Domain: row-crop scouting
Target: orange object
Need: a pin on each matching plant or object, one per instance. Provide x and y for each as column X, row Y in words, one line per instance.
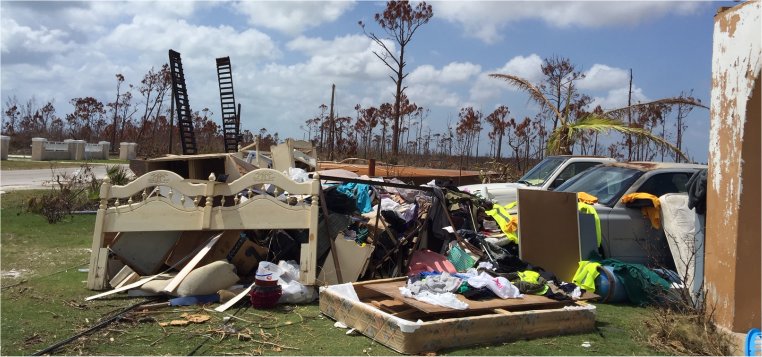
column 651, row 212
column 585, row 197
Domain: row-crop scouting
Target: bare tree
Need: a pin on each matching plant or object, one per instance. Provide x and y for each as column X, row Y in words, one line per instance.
column 400, row 22
column 497, row 120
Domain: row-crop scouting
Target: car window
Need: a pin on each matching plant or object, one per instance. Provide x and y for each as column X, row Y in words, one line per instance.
column 607, row 183
column 540, row 173
column 573, row 170
column 673, row 182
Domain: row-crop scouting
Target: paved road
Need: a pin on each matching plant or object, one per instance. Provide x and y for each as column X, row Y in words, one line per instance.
column 41, row 178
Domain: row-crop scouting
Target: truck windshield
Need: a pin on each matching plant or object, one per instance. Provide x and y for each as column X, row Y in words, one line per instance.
column 540, row 173
column 608, row 183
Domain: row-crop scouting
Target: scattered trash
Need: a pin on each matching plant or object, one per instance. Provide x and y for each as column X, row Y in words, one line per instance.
column 13, row 273
column 367, row 229
column 586, row 344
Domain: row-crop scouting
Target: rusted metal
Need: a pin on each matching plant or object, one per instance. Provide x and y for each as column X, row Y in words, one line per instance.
column 372, row 167
column 180, row 91
column 230, row 119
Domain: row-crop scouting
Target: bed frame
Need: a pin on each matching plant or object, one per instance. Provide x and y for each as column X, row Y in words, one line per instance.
column 199, row 205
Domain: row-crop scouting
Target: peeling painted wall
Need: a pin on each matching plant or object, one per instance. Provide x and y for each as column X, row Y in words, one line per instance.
column 732, row 275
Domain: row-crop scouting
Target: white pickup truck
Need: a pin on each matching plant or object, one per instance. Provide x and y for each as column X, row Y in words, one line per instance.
column 546, row 175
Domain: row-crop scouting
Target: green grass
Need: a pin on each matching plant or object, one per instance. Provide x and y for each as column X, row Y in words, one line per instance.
column 31, row 165
column 46, row 304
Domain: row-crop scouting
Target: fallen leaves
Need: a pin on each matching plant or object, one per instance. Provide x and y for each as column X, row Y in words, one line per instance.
column 196, row 318
column 188, row 319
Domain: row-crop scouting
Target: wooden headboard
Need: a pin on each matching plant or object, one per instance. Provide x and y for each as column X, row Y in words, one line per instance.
column 164, row 201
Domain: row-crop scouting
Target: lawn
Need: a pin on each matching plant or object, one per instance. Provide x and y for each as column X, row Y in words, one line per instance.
column 43, row 291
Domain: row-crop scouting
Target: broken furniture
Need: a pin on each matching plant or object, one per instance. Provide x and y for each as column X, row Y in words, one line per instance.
column 409, row 326
column 291, row 152
column 196, row 167
column 417, row 175
column 193, row 205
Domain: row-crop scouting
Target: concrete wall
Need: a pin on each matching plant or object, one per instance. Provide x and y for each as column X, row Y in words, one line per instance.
column 732, row 256
column 69, row 149
column 128, row 151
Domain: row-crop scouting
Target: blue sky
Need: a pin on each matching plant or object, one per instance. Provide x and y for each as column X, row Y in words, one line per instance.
column 285, row 55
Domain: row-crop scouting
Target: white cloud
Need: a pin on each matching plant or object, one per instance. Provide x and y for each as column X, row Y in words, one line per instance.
column 451, row 73
column 617, row 98
column 487, row 88
column 292, row 17
column 318, row 46
column 92, row 18
column 150, row 34
column 486, row 20
column 529, row 67
column 603, row 77
column 345, row 57
column 15, row 37
column 433, row 95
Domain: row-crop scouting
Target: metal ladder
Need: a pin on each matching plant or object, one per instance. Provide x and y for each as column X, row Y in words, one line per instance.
column 230, row 118
column 180, row 91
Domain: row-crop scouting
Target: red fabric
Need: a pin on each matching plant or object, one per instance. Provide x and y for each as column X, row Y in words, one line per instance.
column 426, row 260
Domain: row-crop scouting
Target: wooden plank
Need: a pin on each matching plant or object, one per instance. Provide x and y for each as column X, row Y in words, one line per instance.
column 123, row 288
column 121, row 276
column 188, row 242
column 223, row 247
column 191, row 265
column 234, row 300
column 391, row 289
column 129, row 280
column 549, row 219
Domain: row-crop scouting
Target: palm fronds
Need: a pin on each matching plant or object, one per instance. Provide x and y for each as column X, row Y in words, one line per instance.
column 599, row 123
column 533, row 91
column 665, row 101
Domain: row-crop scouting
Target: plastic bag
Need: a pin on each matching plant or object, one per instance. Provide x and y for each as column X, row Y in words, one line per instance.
column 440, row 299
column 499, row 285
column 268, row 271
column 294, row 292
column 297, row 174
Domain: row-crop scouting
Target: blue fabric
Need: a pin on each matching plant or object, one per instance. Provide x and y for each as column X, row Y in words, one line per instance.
column 360, row 192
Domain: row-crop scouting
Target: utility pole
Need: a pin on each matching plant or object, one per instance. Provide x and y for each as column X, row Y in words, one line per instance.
column 332, row 129
column 629, row 119
column 171, row 120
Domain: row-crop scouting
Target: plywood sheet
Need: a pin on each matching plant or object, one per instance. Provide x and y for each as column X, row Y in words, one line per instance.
column 144, row 252
column 549, row 231
column 188, row 242
column 391, row 289
column 353, row 259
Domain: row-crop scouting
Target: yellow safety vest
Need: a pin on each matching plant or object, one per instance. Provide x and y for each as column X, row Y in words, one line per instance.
column 533, row 277
column 586, row 274
column 507, row 223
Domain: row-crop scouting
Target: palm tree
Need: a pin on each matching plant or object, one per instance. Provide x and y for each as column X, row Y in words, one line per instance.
column 563, row 137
